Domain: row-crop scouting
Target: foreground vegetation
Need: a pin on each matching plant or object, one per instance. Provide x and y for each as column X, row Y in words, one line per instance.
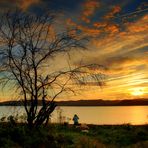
column 67, row 136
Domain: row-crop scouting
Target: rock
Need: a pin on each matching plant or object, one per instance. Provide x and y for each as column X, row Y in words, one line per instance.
column 85, row 131
column 82, row 127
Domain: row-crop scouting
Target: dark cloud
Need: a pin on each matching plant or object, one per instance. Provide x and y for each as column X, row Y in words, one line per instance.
column 13, row 4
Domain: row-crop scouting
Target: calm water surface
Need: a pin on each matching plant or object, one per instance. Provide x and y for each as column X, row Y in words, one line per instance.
column 93, row 115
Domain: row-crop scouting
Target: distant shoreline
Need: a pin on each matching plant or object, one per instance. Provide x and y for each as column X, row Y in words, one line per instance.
column 100, row 102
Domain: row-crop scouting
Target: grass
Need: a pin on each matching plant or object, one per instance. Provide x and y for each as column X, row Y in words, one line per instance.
column 68, row 136
column 120, row 135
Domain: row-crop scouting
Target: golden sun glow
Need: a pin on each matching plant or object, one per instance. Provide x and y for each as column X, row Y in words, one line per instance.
column 137, row 91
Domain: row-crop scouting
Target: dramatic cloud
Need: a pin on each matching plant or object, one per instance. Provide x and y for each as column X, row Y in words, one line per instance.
column 118, row 34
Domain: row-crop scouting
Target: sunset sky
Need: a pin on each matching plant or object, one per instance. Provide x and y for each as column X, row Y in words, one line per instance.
column 119, row 42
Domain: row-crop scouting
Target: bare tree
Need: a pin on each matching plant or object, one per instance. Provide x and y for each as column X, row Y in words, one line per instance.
column 28, row 43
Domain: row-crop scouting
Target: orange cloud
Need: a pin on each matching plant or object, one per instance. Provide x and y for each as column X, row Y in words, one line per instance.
column 100, row 24
column 115, row 10
column 89, row 8
column 96, row 28
column 89, row 31
column 139, row 26
column 112, row 28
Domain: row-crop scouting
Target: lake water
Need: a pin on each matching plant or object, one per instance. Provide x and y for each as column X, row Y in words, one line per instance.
column 93, row 115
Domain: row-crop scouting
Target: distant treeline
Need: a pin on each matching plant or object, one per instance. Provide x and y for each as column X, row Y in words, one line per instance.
column 99, row 102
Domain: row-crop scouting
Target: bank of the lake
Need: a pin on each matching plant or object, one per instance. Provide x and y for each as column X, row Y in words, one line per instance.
column 68, row 136
column 135, row 115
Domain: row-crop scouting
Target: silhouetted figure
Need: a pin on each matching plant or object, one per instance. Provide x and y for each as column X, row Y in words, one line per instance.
column 75, row 119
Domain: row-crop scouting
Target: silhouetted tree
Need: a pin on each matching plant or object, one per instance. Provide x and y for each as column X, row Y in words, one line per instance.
column 28, row 44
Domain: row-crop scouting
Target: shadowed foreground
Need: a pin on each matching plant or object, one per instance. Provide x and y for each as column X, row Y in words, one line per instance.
column 68, row 136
